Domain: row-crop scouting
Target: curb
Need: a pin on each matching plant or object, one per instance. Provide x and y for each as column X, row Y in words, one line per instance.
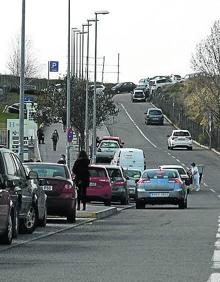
column 97, row 215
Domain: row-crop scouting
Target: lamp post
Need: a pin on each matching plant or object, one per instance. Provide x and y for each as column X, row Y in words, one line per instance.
column 87, row 88
column 68, row 141
column 77, row 55
column 94, row 96
column 21, row 99
column 73, row 57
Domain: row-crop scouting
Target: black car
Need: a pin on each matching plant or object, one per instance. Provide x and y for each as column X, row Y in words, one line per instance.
column 123, row 87
column 24, row 195
column 6, row 215
column 154, row 116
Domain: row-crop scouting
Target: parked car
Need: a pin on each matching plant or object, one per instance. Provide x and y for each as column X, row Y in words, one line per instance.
column 132, row 176
column 158, row 83
column 182, row 172
column 154, row 116
column 14, row 108
column 179, row 139
column 106, row 150
column 130, row 158
column 6, row 215
column 100, row 187
column 138, row 95
column 115, row 138
column 18, row 184
column 161, row 186
column 123, row 87
column 41, row 199
column 119, row 184
column 56, row 181
column 145, row 88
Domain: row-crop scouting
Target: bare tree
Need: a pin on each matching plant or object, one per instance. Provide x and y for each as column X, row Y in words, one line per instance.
column 206, row 62
column 31, row 62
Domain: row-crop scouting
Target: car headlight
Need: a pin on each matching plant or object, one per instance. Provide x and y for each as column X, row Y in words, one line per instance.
column 140, row 189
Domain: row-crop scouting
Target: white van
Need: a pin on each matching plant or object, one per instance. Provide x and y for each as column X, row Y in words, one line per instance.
column 129, row 158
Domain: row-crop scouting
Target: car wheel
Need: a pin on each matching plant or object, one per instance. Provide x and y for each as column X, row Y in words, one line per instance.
column 71, row 218
column 42, row 222
column 140, row 204
column 181, row 204
column 171, row 148
column 107, row 203
column 168, row 147
column 185, row 204
column 189, row 148
column 124, row 201
column 6, row 238
column 28, row 224
column 15, row 224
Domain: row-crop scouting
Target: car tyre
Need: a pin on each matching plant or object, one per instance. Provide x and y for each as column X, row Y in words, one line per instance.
column 6, row 238
column 181, row 204
column 107, row 203
column 28, row 224
column 15, row 224
column 140, row 204
column 71, row 218
column 189, row 148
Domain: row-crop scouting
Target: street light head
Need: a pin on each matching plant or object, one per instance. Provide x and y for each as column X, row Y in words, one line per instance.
column 87, row 24
column 91, row 20
column 104, row 12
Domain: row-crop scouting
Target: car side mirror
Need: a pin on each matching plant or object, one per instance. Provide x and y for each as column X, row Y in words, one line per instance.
column 136, row 180
column 42, row 182
column 32, row 175
column 2, row 182
column 168, row 136
column 127, row 177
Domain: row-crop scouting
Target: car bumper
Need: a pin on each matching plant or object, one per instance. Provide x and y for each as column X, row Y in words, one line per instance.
column 172, row 197
column 59, row 206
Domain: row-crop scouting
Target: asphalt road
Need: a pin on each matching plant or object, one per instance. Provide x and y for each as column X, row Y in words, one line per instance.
column 160, row 243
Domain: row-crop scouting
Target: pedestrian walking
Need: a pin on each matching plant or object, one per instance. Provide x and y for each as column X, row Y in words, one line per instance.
column 55, row 138
column 62, row 159
column 195, row 177
column 81, row 171
column 40, row 135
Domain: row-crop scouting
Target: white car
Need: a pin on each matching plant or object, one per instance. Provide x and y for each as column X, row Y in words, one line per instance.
column 132, row 176
column 138, row 95
column 179, row 139
column 106, row 150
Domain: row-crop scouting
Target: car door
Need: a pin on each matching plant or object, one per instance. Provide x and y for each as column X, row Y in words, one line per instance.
column 26, row 188
column 5, row 207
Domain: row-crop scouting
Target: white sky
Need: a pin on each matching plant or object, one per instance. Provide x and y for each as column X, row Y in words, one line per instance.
column 153, row 37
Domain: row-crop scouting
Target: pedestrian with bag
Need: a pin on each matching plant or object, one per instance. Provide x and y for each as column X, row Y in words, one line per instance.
column 81, row 171
column 55, row 138
column 195, row 177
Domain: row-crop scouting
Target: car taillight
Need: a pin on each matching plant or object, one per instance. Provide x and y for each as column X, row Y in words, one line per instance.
column 175, row 180
column 104, row 180
column 144, row 180
column 68, row 188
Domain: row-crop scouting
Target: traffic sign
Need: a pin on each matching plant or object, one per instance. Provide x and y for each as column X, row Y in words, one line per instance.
column 54, row 66
column 69, row 135
column 28, row 99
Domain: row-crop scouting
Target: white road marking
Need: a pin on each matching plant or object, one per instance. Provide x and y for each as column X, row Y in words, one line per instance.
column 173, row 157
column 178, row 160
column 213, row 190
column 182, row 164
column 205, row 184
column 141, row 132
column 218, row 196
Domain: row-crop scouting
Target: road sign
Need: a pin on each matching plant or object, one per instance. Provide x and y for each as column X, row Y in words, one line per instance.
column 28, row 99
column 69, row 135
column 54, row 66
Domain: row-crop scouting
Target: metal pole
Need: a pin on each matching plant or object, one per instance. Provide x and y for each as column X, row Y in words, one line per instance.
column 48, row 74
column 77, row 57
column 94, row 99
column 21, row 108
column 68, row 90
column 80, row 54
column 118, row 68
column 82, row 48
column 103, row 66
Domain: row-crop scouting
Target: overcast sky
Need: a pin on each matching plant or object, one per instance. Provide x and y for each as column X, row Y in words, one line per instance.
column 153, row 37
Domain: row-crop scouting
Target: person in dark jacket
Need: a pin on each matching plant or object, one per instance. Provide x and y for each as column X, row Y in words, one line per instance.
column 81, row 171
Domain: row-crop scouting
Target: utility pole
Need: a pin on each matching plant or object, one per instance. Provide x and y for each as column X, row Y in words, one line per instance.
column 103, row 66
column 118, row 68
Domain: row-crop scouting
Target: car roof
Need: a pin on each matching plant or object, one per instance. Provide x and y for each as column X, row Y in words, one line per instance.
column 172, row 166
column 154, row 109
column 113, row 166
column 131, row 149
column 110, row 138
column 180, row 130
column 109, row 141
column 43, row 163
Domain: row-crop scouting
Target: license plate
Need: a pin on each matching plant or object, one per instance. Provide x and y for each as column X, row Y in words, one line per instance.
column 47, row 188
column 159, row 195
column 92, row 184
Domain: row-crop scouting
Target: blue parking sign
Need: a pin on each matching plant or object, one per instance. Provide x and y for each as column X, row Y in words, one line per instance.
column 54, row 66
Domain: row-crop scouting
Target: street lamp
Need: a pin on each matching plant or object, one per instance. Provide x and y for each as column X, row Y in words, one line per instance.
column 73, row 57
column 94, row 96
column 77, row 55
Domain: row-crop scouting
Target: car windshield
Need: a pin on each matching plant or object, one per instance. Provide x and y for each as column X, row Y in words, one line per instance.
column 160, row 174
column 109, row 145
column 133, row 173
column 97, row 172
column 155, row 112
column 45, row 171
column 181, row 133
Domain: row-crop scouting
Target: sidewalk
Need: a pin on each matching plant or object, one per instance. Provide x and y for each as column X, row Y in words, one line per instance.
column 48, row 155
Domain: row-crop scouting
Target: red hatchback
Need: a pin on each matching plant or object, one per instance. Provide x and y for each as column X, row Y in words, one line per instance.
column 100, row 188
column 57, row 183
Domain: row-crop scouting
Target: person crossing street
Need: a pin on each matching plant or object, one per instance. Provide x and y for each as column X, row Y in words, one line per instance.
column 195, row 177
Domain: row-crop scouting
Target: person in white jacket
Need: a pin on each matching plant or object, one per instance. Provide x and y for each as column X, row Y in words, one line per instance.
column 195, row 177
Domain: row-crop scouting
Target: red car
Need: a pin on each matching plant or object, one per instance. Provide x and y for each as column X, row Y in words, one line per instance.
column 114, row 138
column 100, row 188
column 58, row 185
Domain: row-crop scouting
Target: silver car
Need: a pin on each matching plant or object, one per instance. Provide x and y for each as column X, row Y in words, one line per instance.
column 132, row 175
column 106, row 150
column 179, row 139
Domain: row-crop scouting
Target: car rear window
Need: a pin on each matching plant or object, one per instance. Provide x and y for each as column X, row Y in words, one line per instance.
column 181, row 133
column 160, row 174
column 155, row 112
column 45, row 171
column 115, row 173
column 97, row 172
column 133, row 173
